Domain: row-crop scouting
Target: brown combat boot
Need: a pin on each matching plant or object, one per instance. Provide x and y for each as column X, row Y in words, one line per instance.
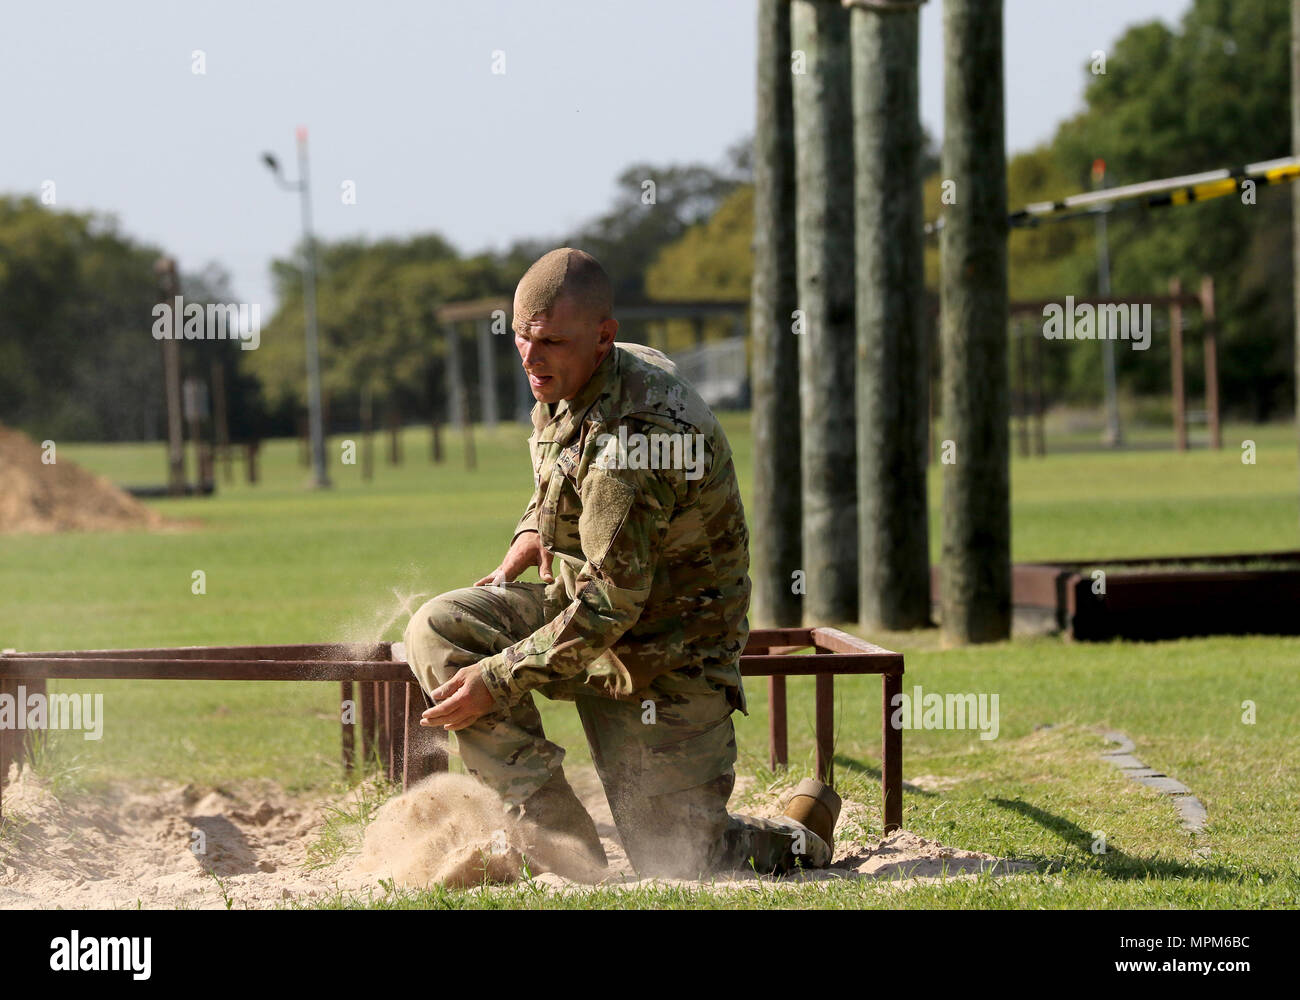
column 559, row 834
column 816, row 806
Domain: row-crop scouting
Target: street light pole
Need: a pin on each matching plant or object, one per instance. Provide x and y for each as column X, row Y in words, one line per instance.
column 320, row 477
column 1113, row 435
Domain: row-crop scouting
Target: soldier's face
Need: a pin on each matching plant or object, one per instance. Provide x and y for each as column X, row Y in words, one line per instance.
column 559, row 352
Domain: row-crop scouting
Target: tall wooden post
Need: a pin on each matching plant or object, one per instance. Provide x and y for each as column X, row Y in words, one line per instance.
column 455, row 382
column 775, row 504
column 1021, row 394
column 1209, row 326
column 394, row 432
column 168, row 289
column 1176, row 364
column 367, row 434
column 221, row 423
column 823, row 120
column 1040, row 441
column 487, row 373
column 1295, row 191
column 892, row 354
column 976, row 584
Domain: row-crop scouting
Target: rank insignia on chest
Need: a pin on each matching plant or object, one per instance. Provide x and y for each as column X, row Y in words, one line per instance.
column 567, row 462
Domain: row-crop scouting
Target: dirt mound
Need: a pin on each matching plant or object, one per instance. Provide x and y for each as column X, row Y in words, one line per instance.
column 181, row 846
column 36, row 497
column 251, row 847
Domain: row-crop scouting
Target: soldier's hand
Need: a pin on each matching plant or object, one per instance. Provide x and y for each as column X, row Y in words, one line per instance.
column 462, row 701
column 526, row 550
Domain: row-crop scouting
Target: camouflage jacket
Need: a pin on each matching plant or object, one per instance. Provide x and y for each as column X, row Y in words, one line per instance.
column 637, row 500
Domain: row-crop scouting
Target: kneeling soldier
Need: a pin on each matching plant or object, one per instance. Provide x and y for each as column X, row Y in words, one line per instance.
column 642, row 628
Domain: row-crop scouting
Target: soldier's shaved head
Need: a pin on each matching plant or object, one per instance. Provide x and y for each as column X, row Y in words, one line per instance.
column 565, row 273
column 564, row 322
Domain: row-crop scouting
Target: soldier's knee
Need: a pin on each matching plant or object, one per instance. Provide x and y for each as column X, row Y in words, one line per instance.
column 429, row 635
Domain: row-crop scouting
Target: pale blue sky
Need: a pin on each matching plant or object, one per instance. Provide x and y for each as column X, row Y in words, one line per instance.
column 400, row 98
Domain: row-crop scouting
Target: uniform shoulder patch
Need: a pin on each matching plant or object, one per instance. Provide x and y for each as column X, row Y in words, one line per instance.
column 606, row 501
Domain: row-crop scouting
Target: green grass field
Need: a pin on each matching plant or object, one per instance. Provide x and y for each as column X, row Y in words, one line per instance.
column 284, row 564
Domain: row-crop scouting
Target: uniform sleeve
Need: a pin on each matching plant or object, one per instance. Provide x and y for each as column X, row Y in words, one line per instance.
column 529, row 521
column 622, row 528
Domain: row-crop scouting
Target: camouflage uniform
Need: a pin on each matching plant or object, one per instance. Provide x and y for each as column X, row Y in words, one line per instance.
column 642, row 628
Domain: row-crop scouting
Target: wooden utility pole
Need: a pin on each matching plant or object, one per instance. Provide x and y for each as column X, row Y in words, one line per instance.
column 455, row 385
column 892, row 354
column 169, row 289
column 1210, row 344
column 435, row 437
column 976, row 583
column 1040, row 441
column 458, row 396
column 487, row 373
column 1021, row 394
column 367, row 434
column 823, row 121
column 1176, row 364
column 221, row 424
column 436, row 389
column 394, row 420
column 775, row 504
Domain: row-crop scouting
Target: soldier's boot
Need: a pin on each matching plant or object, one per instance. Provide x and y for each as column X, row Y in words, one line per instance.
column 559, row 834
column 816, row 805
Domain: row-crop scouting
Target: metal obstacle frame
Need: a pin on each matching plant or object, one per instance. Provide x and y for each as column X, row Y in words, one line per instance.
column 390, row 700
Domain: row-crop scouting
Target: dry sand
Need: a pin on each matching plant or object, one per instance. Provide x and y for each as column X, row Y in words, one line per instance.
column 126, row 848
column 39, row 498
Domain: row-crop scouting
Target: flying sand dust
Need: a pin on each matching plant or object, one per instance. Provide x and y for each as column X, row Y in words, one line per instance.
column 453, row 830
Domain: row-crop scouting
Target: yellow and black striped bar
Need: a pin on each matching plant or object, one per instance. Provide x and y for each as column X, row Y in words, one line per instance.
column 1154, row 194
column 1151, row 194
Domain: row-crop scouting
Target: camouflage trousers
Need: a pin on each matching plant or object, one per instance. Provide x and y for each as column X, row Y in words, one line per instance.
column 667, row 760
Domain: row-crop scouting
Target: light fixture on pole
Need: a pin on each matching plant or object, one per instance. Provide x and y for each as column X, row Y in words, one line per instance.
column 320, row 477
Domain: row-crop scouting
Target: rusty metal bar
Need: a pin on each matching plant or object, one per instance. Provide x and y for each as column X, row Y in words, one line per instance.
column 108, row 668
column 35, row 738
column 834, row 640
column 768, row 664
column 407, row 736
column 384, row 736
column 825, row 727
column 105, row 668
column 368, row 732
column 349, row 728
column 368, row 652
column 761, row 639
column 7, row 687
column 891, row 755
column 778, row 742
column 395, row 703
column 390, row 714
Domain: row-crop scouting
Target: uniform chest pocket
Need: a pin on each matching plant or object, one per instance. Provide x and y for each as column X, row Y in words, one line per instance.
column 557, row 521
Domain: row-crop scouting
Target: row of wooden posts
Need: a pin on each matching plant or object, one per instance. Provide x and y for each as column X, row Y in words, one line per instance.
column 840, row 493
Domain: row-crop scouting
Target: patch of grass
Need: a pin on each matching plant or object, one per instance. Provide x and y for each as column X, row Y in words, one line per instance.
column 286, row 564
column 345, row 825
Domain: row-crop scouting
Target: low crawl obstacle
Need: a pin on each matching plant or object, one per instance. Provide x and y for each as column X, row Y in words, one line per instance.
column 378, row 693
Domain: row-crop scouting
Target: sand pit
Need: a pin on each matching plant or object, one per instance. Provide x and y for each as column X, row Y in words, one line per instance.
column 248, row 847
column 38, row 498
